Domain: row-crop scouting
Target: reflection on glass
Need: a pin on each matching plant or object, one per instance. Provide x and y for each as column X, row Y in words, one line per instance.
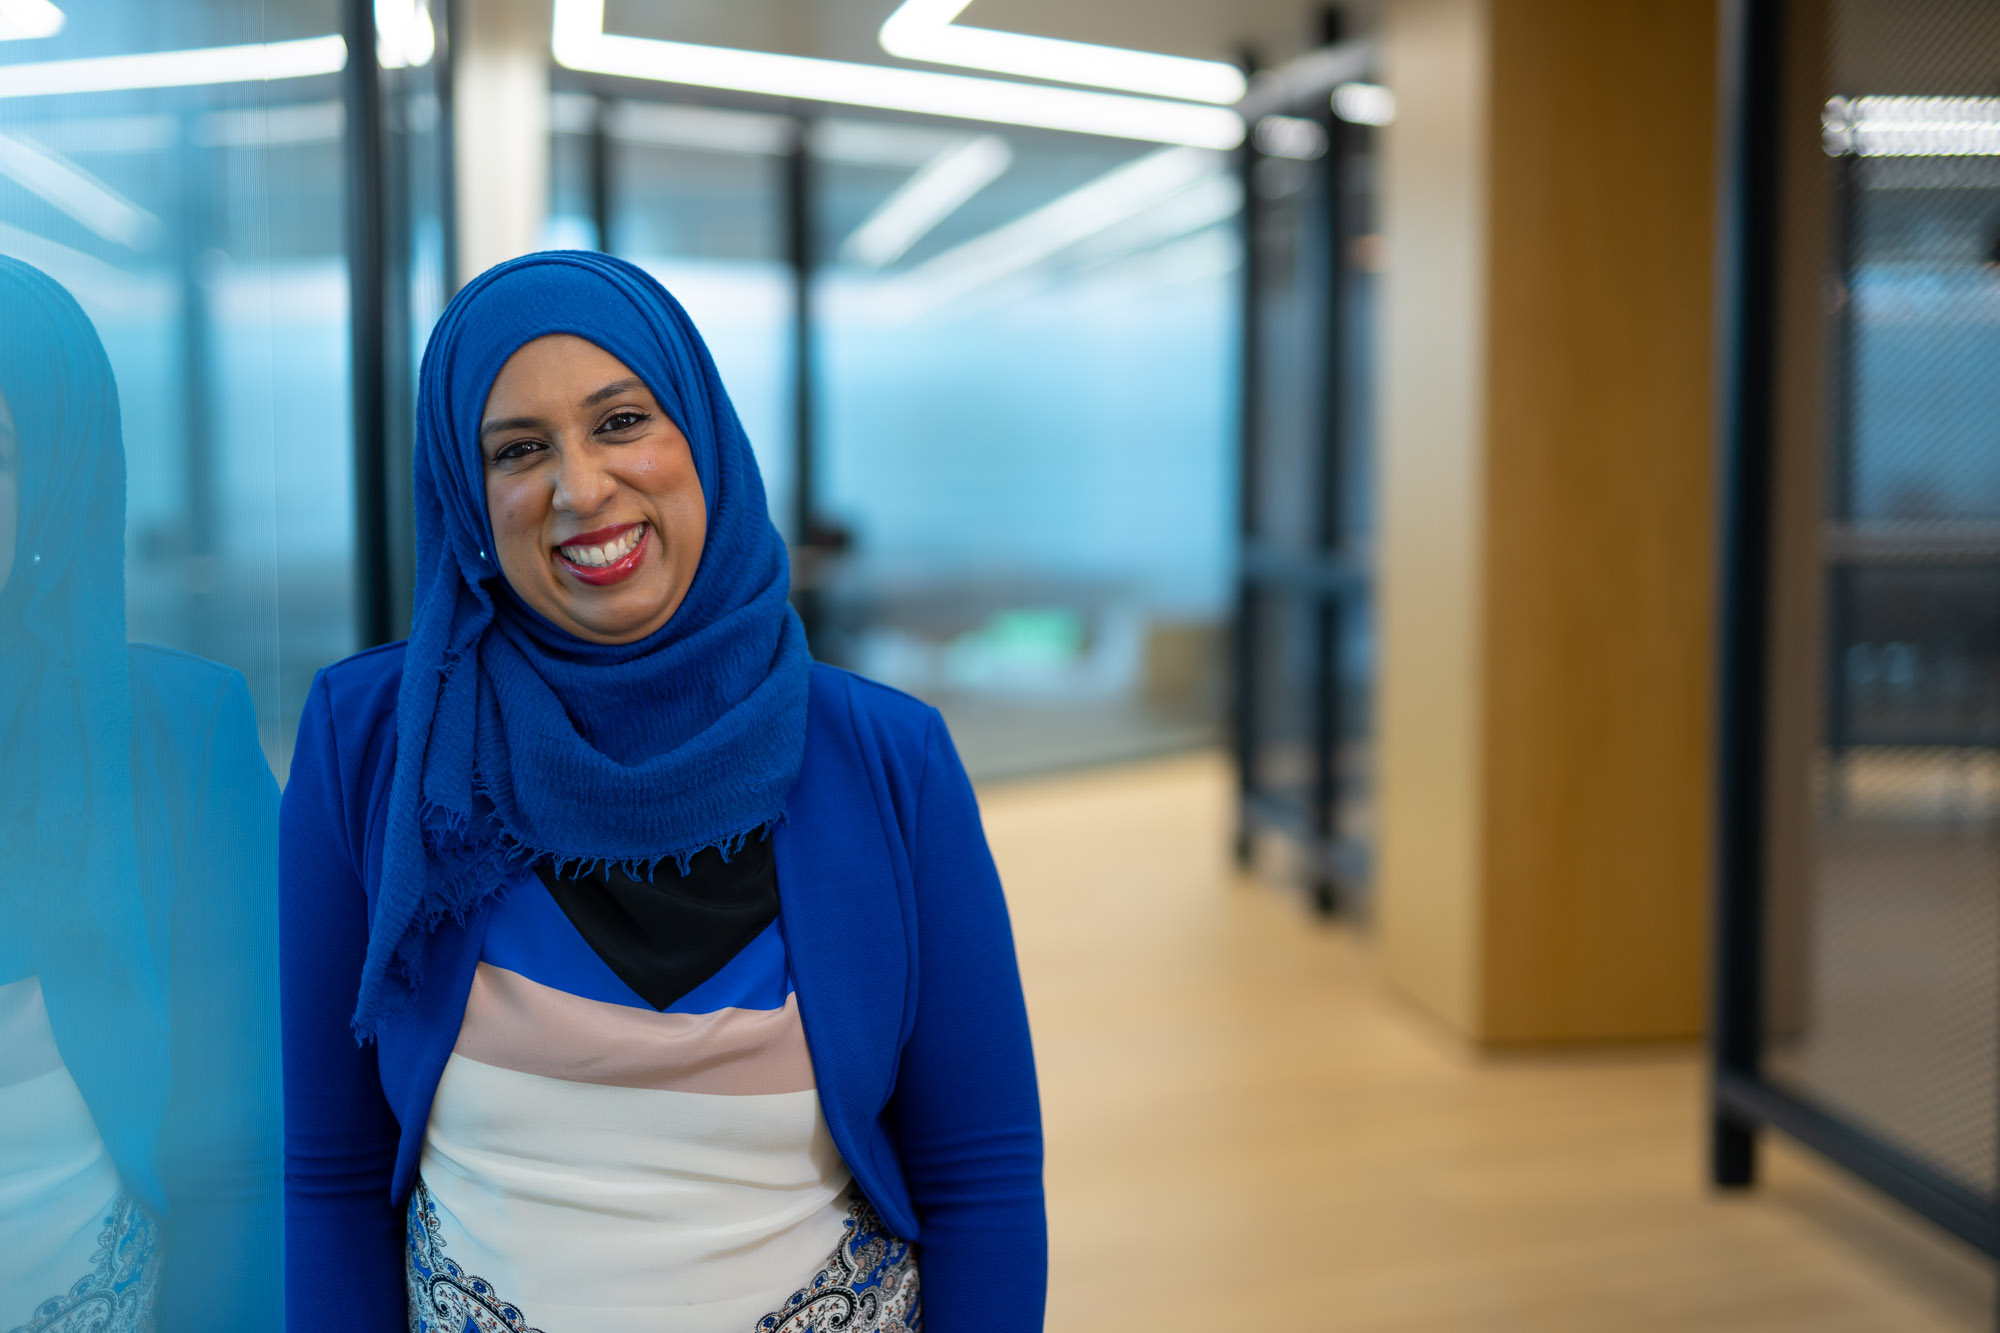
column 138, row 1053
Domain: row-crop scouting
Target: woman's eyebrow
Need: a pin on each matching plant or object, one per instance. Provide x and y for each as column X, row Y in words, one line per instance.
column 508, row 423
column 612, row 390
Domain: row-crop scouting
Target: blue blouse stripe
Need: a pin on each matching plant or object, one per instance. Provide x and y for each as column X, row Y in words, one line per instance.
column 529, row 934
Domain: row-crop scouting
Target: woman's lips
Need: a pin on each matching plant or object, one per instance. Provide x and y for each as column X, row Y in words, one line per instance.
column 621, row 567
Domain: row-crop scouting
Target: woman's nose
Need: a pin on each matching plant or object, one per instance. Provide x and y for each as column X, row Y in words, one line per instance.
column 583, row 483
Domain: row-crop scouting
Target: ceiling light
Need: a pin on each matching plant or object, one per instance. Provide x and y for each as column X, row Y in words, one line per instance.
column 933, row 193
column 176, row 69
column 1364, row 103
column 404, row 37
column 1912, row 126
column 1124, row 192
column 29, row 18
column 924, row 30
column 1290, row 136
column 580, row 43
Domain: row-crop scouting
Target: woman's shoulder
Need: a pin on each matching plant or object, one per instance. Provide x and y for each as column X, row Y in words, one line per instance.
column 351, row 710
column 361, row 690
column 900, row 722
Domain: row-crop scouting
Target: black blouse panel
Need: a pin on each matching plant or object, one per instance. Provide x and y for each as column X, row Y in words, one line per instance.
column 667, row 935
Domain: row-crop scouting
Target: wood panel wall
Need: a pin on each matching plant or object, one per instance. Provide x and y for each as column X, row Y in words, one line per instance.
column 1587, row 601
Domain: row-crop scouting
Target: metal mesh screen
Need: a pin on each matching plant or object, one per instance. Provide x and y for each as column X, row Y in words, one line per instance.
column 1884, row 934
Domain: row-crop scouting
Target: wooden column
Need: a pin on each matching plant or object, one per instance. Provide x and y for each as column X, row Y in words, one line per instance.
column 1546, row 515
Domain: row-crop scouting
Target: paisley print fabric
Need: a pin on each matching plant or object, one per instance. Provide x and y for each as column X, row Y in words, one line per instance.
column 867, row 1285
column 443, row 1297
column 117, row 1294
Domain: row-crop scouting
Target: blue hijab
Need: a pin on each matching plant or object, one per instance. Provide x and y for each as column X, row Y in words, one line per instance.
column 515, row 740
column 72, row 909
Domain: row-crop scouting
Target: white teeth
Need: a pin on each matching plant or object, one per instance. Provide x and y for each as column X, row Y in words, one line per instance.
column 610, row 553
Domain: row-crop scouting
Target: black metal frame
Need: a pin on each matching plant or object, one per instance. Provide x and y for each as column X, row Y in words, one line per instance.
column 1744, row 1099
column 379, row 248
column 367, row 314
column 1328, row 579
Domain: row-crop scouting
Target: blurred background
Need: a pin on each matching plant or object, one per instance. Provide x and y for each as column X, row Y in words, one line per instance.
column 1460, row 539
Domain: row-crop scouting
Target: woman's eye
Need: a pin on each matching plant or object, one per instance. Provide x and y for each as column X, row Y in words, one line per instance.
column 519, row 449
column 625, row 420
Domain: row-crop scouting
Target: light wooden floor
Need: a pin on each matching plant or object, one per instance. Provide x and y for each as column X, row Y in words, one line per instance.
column 1246, row 1131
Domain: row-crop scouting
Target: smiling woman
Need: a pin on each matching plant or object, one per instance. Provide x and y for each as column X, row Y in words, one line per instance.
column 598, row 518
column 657, row 926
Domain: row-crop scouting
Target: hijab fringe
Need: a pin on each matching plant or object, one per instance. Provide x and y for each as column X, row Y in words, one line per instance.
column 478, row 869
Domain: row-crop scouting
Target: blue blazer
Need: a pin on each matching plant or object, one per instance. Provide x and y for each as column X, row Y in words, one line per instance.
column 900, row 952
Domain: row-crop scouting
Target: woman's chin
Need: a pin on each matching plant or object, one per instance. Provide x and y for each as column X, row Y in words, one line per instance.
column 623, row 616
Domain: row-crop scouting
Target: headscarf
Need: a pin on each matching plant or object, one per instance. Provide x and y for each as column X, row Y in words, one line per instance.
column 66, row 808
column 517, row 741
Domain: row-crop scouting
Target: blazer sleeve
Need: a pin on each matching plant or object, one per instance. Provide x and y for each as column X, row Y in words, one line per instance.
column 343, row 1234
column 966, row 1113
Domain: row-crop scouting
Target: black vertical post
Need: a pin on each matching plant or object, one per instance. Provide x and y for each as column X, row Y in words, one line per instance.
column 1330, row 597
column 600, row 171
column 805, row 528
column 445, row 73
column 1243, row 631
column 1752, row 77
column 367, row 312
column 1840, row 591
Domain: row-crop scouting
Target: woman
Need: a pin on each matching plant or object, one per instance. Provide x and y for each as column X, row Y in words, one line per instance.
column 139, row 1132
column 682, row 974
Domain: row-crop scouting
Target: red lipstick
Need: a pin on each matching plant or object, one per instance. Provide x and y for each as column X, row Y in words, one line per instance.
column 598, row 576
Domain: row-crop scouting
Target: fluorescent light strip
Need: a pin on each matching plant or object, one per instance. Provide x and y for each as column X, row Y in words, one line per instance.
column 267, row 127
column 876, row 143
column 1364, row 103
column 29, row 18
column 1210, row 200
column 1121, row 193
column 925, row 30
column 1294, row 137
column 1913, row 126
column 932, row 193
column 177, row 69
column 76, row 192
column 404, row 37
column 580, row 43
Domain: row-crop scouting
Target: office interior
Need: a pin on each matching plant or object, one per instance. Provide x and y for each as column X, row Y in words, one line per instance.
column 1459, row 539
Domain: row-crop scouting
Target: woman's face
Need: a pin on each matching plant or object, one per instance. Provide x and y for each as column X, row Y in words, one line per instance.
column 598, row 516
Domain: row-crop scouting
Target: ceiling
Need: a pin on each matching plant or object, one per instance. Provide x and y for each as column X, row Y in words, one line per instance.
column 845, row 29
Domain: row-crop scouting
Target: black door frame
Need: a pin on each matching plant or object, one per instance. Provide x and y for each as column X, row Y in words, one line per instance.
column 1745, row 1098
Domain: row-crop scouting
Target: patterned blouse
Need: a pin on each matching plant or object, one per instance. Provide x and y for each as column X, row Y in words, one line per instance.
column 600, row 1162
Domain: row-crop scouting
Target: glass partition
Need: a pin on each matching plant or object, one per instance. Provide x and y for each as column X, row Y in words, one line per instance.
column 175, row 498
column 1027, row 431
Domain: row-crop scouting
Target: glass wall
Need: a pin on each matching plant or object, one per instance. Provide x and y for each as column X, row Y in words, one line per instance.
column 200, row 227
column 1882, row 985
column 1021, row 398
column 1027, row 426
column 176, row 508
